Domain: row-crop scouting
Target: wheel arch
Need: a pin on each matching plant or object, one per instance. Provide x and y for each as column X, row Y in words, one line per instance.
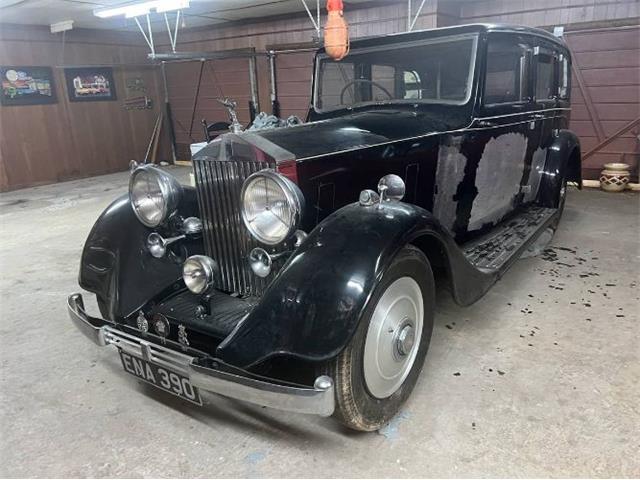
column 451, row 269
column 563, row 160
column 313, row 307
column 436, row 252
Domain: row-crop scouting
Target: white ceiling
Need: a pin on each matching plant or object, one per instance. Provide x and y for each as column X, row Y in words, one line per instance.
column 200, row 13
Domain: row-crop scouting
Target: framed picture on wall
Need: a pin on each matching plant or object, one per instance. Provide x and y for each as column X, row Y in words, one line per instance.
column 26, row 85
column 90, row 84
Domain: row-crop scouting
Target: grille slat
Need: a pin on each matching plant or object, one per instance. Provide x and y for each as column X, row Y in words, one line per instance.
column 224, row 258
column 218, row 184
column 232, row 221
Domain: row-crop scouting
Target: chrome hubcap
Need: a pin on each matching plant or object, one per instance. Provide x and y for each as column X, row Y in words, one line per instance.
column 393, row 338
column 404, row 340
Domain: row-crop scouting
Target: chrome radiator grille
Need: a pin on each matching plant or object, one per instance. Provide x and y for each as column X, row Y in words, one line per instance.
column 226, row 239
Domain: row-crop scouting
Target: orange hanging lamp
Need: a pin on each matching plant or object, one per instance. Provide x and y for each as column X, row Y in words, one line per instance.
column 336, row 31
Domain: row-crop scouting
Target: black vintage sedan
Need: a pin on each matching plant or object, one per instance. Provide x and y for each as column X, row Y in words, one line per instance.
column 299, row 273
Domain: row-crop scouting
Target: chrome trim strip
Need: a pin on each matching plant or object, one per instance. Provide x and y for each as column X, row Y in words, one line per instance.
column 528, row 112
column 316, row 400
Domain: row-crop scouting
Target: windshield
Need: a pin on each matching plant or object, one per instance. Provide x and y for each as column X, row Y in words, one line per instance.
column 429, row 71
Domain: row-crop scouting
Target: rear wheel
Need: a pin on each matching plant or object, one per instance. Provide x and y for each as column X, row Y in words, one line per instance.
column 378, row 369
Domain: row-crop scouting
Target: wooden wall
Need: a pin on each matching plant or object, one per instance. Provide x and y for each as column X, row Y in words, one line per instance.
column 193, row 88
column 42, row 144
column 607, row 97
column 48, row 143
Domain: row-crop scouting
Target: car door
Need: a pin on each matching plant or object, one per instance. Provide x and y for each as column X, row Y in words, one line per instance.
column 503, row 131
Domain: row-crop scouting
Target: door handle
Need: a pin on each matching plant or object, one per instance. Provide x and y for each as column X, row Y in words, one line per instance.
column 539, row 116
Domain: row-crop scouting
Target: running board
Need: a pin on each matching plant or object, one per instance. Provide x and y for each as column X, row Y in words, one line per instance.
column 507, row 240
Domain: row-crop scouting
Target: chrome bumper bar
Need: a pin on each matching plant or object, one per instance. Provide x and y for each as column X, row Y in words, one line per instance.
column 318, row 400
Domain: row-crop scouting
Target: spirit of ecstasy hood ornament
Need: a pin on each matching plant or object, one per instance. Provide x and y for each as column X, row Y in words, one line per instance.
column 231, row 106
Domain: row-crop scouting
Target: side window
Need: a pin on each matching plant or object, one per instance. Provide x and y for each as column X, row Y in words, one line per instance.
column 506, row 74
column 545, row 75
column 564, row 77
column 412, row 85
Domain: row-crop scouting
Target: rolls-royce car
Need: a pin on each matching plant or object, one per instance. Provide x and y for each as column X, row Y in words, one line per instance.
column 299, row 272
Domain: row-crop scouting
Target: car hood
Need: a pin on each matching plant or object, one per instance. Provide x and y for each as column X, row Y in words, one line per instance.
column 358, row 130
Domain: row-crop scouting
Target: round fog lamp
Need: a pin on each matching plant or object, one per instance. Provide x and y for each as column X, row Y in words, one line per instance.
column 198, row 273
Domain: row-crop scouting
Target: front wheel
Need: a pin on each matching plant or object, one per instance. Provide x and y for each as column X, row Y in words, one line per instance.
column 378, row 369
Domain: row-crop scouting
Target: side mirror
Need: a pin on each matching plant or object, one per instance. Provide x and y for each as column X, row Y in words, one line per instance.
column 391, row 188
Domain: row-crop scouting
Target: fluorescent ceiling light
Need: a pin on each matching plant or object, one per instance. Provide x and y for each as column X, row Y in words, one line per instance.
column 144, row 8
column 170, row 5
column 61, row 26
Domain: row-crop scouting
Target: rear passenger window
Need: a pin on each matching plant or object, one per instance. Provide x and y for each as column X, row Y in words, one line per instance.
column 506, row 77
column 545, row 76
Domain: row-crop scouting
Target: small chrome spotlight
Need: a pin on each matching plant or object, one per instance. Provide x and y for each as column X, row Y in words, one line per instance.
column 198, row 273
column 260, row 262
column 391, row 187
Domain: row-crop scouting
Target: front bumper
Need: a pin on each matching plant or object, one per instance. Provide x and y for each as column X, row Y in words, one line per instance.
column 318, row 400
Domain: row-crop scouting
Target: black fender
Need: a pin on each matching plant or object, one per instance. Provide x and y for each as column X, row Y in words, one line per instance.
column 312, row 308
column 563, row 160
column 116, row 264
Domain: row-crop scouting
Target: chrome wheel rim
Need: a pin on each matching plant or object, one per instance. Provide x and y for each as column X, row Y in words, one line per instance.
column 393, row 337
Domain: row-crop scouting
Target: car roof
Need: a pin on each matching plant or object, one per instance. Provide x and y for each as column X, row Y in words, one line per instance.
column 454, row 30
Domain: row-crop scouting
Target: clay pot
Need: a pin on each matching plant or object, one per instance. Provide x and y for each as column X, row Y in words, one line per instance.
column 614, row 177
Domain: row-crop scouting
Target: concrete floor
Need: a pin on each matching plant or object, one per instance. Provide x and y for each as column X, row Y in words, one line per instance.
column 539, row 378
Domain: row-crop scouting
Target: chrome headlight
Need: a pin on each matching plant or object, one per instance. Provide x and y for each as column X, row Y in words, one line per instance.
column 154, row 194
column 271, row 206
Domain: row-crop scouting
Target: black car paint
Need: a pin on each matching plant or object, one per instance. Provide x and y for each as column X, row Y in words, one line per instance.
column 117, row 266
column 310, row 309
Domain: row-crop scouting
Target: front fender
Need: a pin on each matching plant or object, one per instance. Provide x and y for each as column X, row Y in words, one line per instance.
column 313, row 307
column 563, row 160
column 116, row 264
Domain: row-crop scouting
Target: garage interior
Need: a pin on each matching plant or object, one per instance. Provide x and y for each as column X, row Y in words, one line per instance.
column 539, row 378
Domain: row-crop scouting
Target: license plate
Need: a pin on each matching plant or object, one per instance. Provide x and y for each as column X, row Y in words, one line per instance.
column 161, row 377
